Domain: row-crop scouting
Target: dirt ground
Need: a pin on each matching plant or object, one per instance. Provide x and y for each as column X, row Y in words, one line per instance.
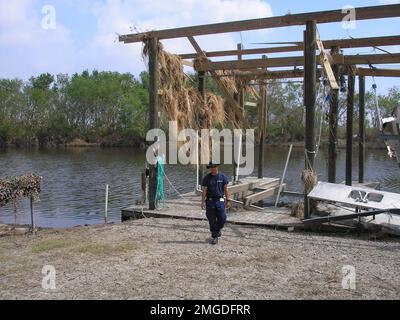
column 170, row 259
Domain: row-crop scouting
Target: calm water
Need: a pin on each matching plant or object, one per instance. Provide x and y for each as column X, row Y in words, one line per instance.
column 74, row 179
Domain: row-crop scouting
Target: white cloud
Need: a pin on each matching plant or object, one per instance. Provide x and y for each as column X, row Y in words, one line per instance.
column 124, row 17
column 27, row 49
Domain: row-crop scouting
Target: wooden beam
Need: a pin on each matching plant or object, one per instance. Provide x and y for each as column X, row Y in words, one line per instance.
column 258, row 196
column 310, row 80
column 349, row 129
column 153, row 115
column 333, row 125
column 261, row 129
column 363, row 13
column 326, row 64
column 227, row 95
column 378, row 72
column 195, row 45
column 296, row 61
column 201, row 81
column 299, row 73
column 361, row 129
column 298, row 46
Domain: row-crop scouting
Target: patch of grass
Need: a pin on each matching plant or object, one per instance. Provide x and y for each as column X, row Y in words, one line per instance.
column 51, row 244
column 105, row 248
column 252, row 260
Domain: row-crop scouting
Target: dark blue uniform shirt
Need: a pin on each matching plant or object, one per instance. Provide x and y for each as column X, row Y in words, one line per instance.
column 215, row 185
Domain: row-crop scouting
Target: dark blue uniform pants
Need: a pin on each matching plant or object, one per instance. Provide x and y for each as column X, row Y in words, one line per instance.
column 215, row 212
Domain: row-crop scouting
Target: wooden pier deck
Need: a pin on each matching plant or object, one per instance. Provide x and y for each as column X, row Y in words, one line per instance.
column 188, row 207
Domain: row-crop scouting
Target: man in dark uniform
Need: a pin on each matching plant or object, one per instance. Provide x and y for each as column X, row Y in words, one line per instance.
column 214, row 187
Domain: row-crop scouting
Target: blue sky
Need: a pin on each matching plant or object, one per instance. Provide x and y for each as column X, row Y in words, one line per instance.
column 86, row 31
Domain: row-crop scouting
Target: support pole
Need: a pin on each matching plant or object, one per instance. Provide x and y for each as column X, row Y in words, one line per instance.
column 333, row 124
column 201, row 88
column 153, row 116
column 349, row 129
column 261, row 129
column 310, row 79
column 106, row 206
column 361, row 135
column 32, row 216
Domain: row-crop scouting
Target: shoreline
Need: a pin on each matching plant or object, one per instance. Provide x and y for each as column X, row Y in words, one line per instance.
column 374, row 145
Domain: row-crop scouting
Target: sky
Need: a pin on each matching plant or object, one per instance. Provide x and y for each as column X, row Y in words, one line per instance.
column 68, row 36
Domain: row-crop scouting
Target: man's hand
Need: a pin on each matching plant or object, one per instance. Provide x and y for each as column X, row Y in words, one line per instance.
column 202, row 205
column 227, row 204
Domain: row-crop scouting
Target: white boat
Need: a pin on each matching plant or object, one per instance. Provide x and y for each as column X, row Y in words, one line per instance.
column 356, row 197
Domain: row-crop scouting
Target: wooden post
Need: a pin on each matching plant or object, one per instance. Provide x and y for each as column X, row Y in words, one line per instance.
column 333, row 125
column 32, row 216
column 153, row 116
column 349, row 128
column 201, row 88
column 361, row 135
column 310, row 79
column 261, row 128
column 106, row 206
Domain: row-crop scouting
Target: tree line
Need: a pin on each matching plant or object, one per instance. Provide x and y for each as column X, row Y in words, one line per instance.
column 111, row 109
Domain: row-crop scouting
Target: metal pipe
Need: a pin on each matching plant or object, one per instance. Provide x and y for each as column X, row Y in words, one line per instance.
column 238, row 158
column 284, row 175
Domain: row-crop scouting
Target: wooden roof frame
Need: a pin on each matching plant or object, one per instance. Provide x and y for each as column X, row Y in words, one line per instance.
column 361, row 13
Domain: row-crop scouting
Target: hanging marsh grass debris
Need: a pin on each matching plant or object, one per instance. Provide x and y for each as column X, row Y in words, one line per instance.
column 310, row 180
column 183, row 103
column 13, row 188
column 298, row 210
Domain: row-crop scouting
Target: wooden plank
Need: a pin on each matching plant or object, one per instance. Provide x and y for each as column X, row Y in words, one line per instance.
column 299, row 73
column 249, row 185
column 258, row 196
column 326, row 64
column 195, row 45
column 378, row 72
column 297, row 61
column 362, row 13
column 298, row 46
column 371, row 59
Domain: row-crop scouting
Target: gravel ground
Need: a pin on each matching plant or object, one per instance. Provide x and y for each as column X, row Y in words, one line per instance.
column 170, row 259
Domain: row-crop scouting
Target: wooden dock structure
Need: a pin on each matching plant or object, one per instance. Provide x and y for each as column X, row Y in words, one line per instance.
column 247, row 192
column 317, row 58
column 188, row 207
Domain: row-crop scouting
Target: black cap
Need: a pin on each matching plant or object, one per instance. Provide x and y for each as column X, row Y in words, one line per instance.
column 212, row 164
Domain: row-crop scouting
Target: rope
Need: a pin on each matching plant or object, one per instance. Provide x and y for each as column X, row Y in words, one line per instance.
column 166, row 177
column 323, row 99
